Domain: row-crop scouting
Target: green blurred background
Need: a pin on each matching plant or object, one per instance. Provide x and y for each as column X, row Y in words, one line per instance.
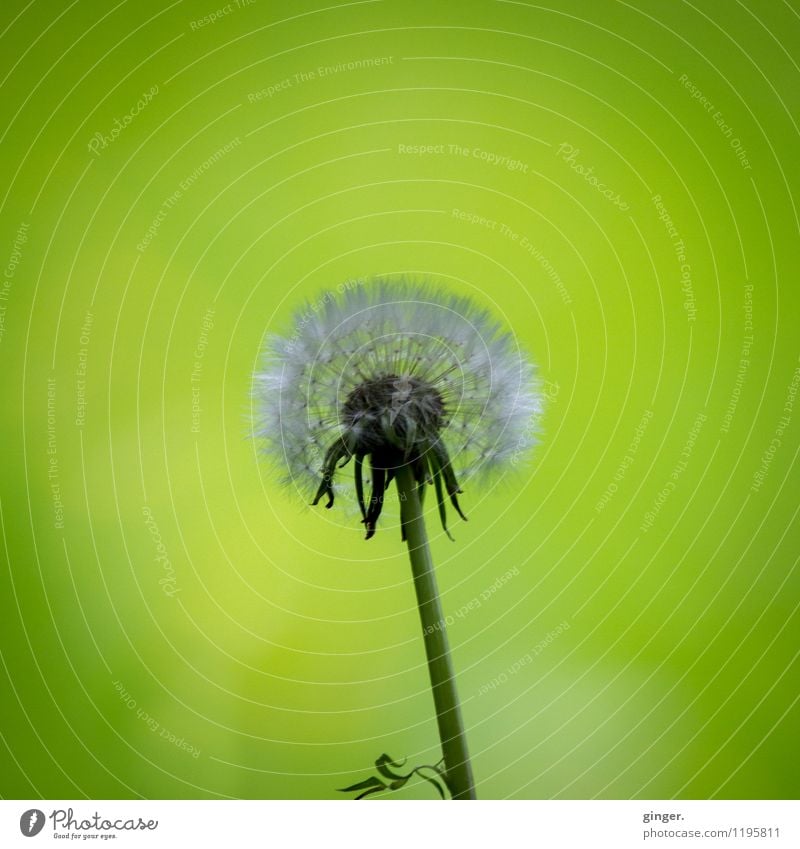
column 616, row 181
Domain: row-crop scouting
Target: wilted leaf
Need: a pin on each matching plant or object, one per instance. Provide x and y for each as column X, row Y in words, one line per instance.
column 435, row 783
column 370, row 793
column 372, row 781
column 382, row 765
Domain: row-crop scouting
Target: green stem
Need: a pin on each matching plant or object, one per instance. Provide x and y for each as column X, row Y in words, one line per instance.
column 440, row 667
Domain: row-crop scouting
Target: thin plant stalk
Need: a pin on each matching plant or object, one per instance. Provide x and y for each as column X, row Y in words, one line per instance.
column 458, row 770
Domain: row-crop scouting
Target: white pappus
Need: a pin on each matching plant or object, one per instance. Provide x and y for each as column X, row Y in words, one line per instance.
column 394, row 372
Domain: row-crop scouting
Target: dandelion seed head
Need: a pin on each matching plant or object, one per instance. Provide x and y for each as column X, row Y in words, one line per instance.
column 395, row 369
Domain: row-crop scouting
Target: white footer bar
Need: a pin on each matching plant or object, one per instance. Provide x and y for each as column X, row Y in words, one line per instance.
column 395, row 824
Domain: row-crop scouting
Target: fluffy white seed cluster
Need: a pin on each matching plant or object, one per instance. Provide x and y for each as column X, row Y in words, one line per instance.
column 398, row 364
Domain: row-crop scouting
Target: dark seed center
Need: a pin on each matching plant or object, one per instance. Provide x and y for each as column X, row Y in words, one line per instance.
column 400, row 396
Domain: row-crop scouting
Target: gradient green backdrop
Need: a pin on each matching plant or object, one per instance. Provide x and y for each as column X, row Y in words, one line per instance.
column 646, row 642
